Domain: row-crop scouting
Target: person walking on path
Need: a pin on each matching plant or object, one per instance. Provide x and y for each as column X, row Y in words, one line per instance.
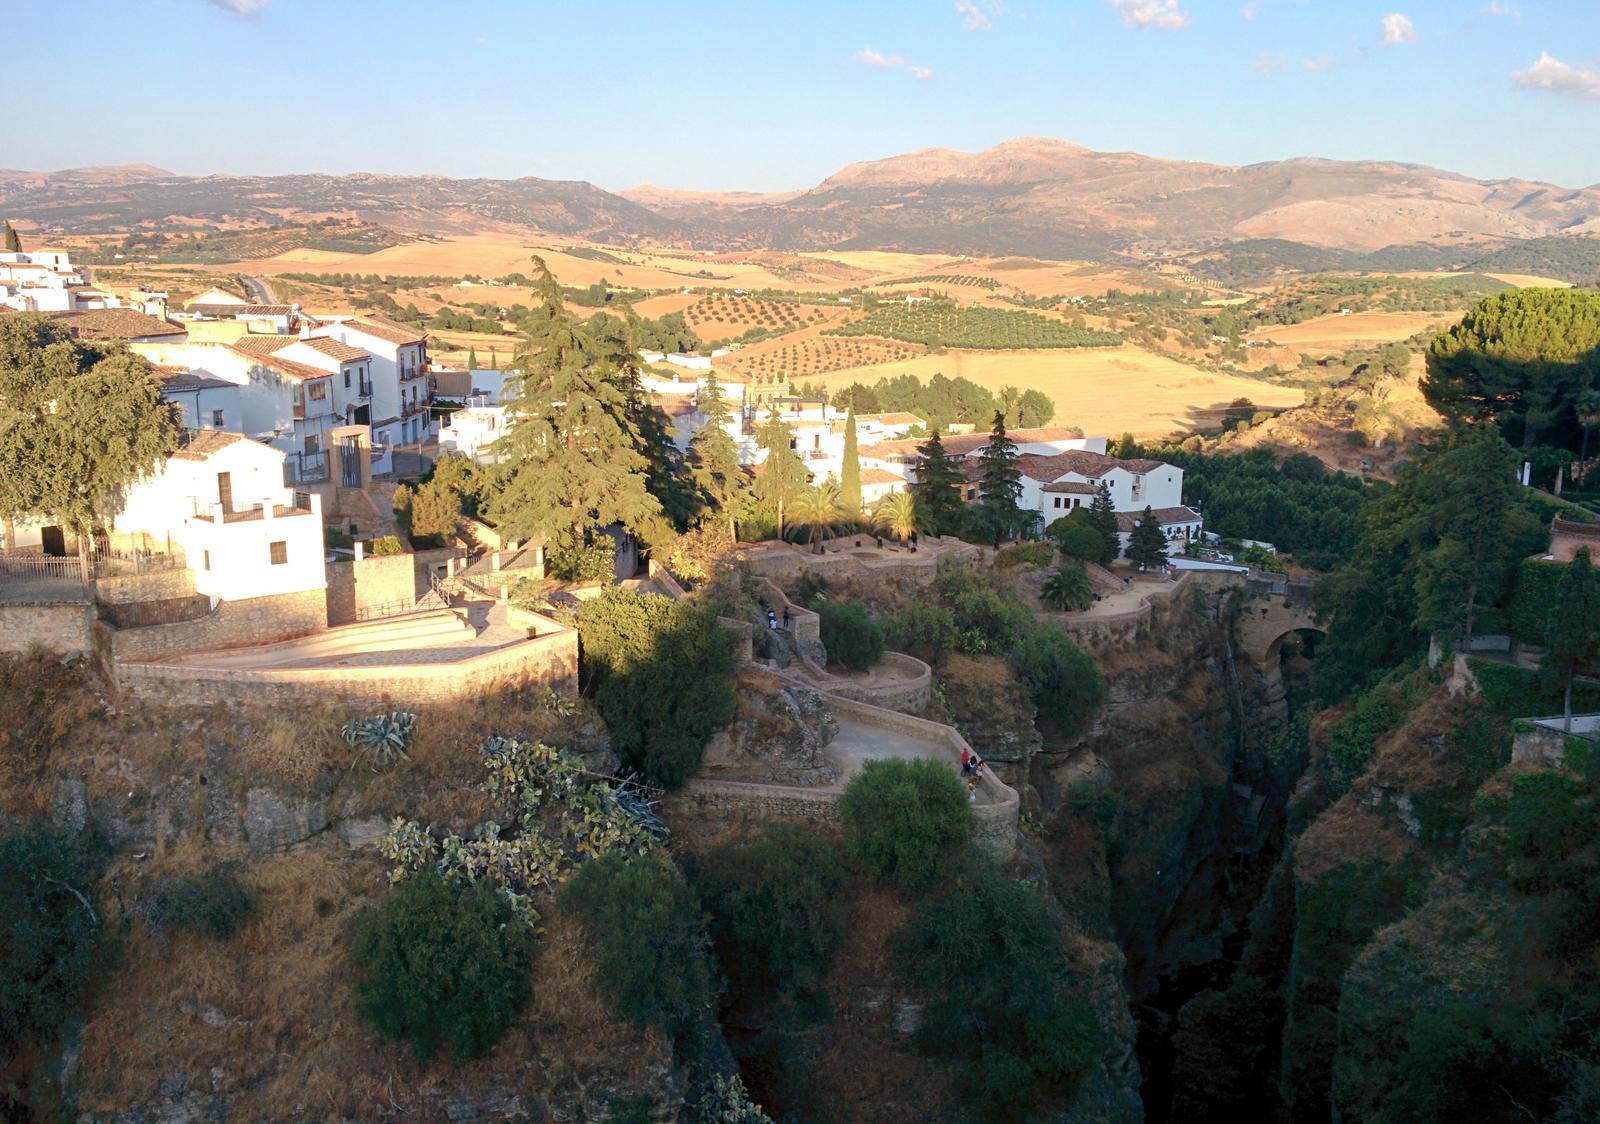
column 772, row 620
column 966, row 761
column 786, row 616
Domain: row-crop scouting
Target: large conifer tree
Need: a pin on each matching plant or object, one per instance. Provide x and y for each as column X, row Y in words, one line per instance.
column 850, row 472
column 1147, row 546
column 1572, row 638
column 782, row 476
column 1103, row 518
column 13, row 243
column 999, row 483
column 573, row 466
column 938, row 487
column 714, row 466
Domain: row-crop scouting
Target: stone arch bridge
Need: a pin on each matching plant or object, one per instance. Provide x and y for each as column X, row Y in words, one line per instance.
column 1270, row 608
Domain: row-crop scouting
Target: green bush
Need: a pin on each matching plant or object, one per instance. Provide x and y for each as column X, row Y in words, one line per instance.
column 1550, row 818
column 1528, row 612
column 386, row 546
column 649, row 939
column 1077, row 539
column 212, row 902
column 579, row 562
column 659, row 673
column 926, row 631
column 988, row 617
column 906, row 821
column 1000, row 1004
column 775, row 914
column 850, row 633
column 443, row 965
column 944, row 323
column 47, row 934
column 1068, row 589
column 1063, row 680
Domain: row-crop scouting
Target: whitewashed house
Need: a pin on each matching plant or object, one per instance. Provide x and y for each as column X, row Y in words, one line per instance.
column 222, row 499
column 207, row 402
column 471, row 430
column 401, row 389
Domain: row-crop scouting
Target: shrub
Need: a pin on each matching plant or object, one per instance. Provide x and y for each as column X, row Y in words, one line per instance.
column 386, row 546
column 724, row 1100
column 212, row 902
column 1077, row 539
column 434, row 511
column 775, row 917
column 850, row 633
column 1550, row 817
column 443, row 965
column 659, row 672
column 47, row 932
column 991, row 958
column 1063, row 679
column 987, row 616
column 645, row 926
column 925, row 631
column 579, row 562
column 906, row 821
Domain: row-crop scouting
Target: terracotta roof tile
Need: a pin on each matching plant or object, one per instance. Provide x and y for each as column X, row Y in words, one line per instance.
column 286, row 367
column 205, row 443
column 117, row 324
column 333, row 349
column 388, row 330
column 1126, row 520
column 263, row 345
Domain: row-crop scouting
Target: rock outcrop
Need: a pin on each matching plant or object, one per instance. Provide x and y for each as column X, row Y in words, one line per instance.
column 777, row 735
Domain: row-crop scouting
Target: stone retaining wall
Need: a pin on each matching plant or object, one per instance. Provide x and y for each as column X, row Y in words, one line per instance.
column 64, row 627
column 542, row 661
column 910, row 692
column 357, row 587
column 232, row 624
column 153, row 585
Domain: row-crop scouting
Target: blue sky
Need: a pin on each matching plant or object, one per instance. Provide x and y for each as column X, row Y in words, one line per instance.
column 763, row 95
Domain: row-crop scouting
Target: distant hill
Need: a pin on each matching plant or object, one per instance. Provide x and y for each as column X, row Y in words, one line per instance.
column 1032, row 196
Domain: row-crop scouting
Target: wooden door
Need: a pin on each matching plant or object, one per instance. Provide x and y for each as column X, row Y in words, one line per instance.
column 225, row 491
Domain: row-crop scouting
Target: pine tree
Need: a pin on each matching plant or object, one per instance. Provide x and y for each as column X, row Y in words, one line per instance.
column 1103, row 518
column 13, row 243
column 472, row 359
column 573, row 466
column 714, row 466
column 1572, row 638
column 494, row 359
column 1147, row 547
column 850, row 473
column 938, row 487
column 1000, row 483
column 783, row 474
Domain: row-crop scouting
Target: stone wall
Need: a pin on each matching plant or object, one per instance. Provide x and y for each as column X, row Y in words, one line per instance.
column 741, row 637
column 358, row 587
column 152, row 585
column 232, row 624
column 65, row 627
column 910, row 691
column 544, row 661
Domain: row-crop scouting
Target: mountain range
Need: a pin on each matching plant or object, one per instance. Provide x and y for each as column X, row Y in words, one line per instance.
column 1034, row 196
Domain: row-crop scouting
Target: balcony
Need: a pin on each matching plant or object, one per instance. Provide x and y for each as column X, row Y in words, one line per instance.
column 300, row 503
column 365, row 389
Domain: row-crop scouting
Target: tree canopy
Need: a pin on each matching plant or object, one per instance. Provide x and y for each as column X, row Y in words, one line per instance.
column 1000, row 483
column 937, row 489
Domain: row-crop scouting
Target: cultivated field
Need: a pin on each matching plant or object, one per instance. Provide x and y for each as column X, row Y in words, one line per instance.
column 1105, row 390
column 1340, row 332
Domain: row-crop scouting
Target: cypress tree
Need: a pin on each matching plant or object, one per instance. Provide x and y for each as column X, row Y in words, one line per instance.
column 850, row 473
column 1000, row 483
column 938, row 487
column 472, row 359
column 1103, row 518
column 1147, row 548
column 13, row 243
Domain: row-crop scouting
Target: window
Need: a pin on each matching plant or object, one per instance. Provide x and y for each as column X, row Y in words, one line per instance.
column 216, row 419
column 313, row 442
column 279, row 552
column 205, row 563
column 319, row 390
column 347, row 378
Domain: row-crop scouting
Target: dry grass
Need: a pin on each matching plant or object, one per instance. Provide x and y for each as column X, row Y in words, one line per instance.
column 296, row 752
column 1338, row 333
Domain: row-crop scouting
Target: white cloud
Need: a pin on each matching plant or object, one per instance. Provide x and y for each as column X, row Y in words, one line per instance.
column 1560, row 78
column 1164, row 15
column 1269, row 64
column 1318, row 64
column 1250, row 12
column 1398, row 29
column 871, row 56
column 240, row 7
column 1501, row 8
column 972, row 18
column 920, row 73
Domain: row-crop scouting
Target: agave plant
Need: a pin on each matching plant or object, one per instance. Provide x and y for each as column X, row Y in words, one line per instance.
column 382, row 738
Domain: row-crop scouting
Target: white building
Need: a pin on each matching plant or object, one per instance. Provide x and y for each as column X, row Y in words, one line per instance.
column 472, row 430
column 244, row 534
column 207, row 401
column 348, row 368
column 401, row 389
column 45, row 281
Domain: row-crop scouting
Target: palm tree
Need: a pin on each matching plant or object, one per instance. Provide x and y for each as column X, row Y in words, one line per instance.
column 897, row 514
column 818, row 510
column 1068, row 590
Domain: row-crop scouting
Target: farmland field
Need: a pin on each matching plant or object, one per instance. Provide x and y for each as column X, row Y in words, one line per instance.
column 1336, row 331
column 1104, row 391
column 804, row 357
column 944, row 322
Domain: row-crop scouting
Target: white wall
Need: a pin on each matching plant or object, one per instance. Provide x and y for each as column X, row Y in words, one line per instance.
column 200, row 403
